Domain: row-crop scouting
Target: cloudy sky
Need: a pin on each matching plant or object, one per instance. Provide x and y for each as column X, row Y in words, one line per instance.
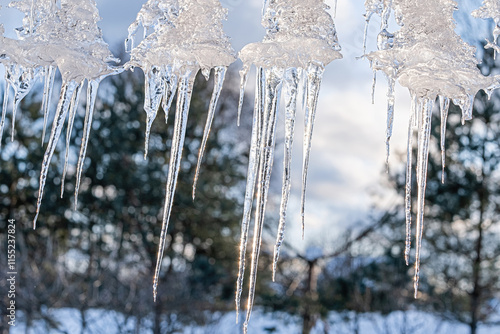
column 348, row 157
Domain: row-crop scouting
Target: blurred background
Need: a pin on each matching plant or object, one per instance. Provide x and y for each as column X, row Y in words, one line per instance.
column 90, row 270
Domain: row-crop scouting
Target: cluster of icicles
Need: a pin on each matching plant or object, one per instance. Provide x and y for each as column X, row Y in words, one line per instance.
column 182, row 37
column 431, row 60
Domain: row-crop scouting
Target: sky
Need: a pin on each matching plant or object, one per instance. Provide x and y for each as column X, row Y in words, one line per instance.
column 348, row 157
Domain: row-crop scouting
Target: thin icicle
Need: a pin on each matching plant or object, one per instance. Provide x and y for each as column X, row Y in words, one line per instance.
column 71, row 119
column 220, row 73
column 170, row 89
column 335, row 8
column 374, row 85
column 4, row 108
column 368, row 16
column 180, row 124
column 390, row 118
column 422, row 163
column 291, row 86
column 61, row 112
column 271, row 97
column 50, row 73
column 409, row 162
column 92, row 87
column 253, row 164
column 444, row 103
column 155, row 87
column 243, row 84
column 314, row 76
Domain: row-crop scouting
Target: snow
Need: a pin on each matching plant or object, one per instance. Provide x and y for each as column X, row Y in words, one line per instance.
column 111, row 322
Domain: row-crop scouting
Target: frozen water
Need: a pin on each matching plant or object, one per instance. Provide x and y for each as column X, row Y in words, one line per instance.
column 431, row 60
column 491, row 10
column 53, row 36
column 300, row 41
column 181, row 38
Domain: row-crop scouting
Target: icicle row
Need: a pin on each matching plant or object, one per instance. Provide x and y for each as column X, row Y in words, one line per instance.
column 271, row 97
column 182, row 109
column 63, row 106
column 220, row 73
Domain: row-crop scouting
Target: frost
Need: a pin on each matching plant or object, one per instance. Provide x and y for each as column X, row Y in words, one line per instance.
column 180, row 38
column 490, row 10
column 65, row 37
column 300, row 41
column 431, row 60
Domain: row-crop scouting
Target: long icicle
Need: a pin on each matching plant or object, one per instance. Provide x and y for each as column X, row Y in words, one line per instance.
column 50, row 74
column 220, row 73
column 92, row 88
column 69, row 129
column 63, row 106
column 422, row 163
column 271, row 95
column 314, row 76
column 444, row 104
column 291, row 86
column 409, row 161
column 253, row 164
column 180, row 124
column 4, row 108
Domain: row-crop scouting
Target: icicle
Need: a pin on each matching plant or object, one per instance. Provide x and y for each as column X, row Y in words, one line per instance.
column 50, row 73
column 335, row 8
column 220, row 73
column 61, row 112
column 155, row 87
column 180, row 124
column 374, row 85
column 170, row 89
column 4, row 109
column 466, row 103
column 71, row 119
column 291, row 86
column 390, row 118
column 409, row 161
column 422, row 162
column 253, row 164
column 314, row 76
column 444, row 103
column 271, row 97
column 243, row 83
column 368, row 17
column 92, row 87
column 22, row 83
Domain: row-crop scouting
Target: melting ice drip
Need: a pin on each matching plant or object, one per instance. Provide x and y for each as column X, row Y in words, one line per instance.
column 67, row 38
column 491, row 10
column 300, row 41
column 180, row 38
column 431, row 60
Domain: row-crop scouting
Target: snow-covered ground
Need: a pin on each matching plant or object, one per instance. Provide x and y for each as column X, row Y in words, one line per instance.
column 110, row 322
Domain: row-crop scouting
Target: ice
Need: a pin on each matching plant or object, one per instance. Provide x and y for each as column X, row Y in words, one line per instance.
column 300, row 41
column 53, row 36
column 431, row 60
column 220, row 73
column 181, row 38
column 491, row 10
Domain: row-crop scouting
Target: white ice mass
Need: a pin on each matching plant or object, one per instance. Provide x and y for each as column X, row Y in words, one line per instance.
column 300, row 41
column 64, row 37
column 180, row 38
column 431, row 60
